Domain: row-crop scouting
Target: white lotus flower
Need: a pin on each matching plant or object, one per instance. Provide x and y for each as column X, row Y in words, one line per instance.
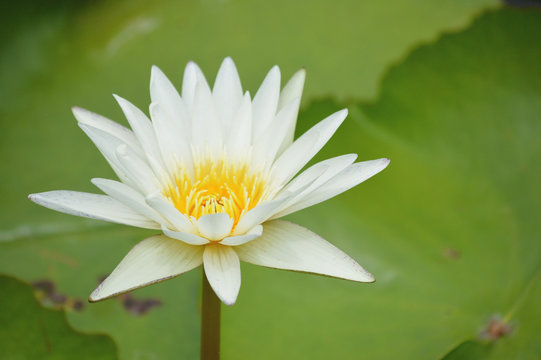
column 213, row 170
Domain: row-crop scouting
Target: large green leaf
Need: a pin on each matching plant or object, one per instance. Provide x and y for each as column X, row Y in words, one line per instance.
column 448, row 229
column 30, row 331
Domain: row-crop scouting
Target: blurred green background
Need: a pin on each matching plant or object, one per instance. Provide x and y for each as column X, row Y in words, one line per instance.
column 449, row 90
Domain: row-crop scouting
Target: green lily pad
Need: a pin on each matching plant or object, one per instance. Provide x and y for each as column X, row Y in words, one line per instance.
column 30, row 331
column 448, row 229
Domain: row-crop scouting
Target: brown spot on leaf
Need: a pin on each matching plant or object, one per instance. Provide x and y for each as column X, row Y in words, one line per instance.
column 495, row 329
column 451, row 253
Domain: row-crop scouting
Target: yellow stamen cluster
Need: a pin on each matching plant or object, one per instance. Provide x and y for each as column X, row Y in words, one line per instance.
column 217, row 186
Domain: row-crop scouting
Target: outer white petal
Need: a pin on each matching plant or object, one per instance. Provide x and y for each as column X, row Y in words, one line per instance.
column 266, row 147
column 165, row 208
column 331, row 167
column 137, row 170
column 123, row 134
column 162, row 91
column 188, row 238
column 174, row 141
column 215, row 226
column 93, row 206
column 312, row 178
column 128, row 196
column 304, row 148
column 291, row 247
column 222, row 268
column 252, row 234
column 107, row 145
column 206, row 129
column 265, row 102
column 192, row 75
column 291, row 91
column 240, row 133
column 227, row 92
column 153, row 260
column 142, row 127
column 344, row 180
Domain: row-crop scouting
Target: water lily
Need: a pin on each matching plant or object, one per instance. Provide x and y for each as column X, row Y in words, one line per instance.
column 213, row 170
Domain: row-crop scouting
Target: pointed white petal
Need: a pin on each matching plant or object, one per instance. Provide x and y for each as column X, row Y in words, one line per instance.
column 137, row 170
column 266, row 102
column 312, row 178
column 123, row 134
column 192, row 75
column 254, row 233
column 128, row 196
column 142, row 127
column 331, row 167
column 222, row 268
column 291, row 91
column 344, row 180
column 215, row 226
column 266, row 147
column 258, row 215
column 173, row 139
column 94, row 206
column 107, row 145
column 240, row 133
column 162, row 91
column 227, row 92
column 288, row 246
column 188, row 238
column 206, row 129
column 153, row 260
column 166, row 209
column 304, row 148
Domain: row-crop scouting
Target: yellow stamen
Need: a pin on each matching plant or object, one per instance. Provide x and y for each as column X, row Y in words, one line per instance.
column 218, row 186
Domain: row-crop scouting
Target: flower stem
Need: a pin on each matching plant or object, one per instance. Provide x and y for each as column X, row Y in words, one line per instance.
column 210, row 323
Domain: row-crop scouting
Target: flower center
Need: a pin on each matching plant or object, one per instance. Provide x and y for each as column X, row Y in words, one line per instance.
column 217, row 186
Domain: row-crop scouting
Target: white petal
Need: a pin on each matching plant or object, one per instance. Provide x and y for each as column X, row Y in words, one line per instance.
column 188, row 238
column 266, row 147
column 304, row 148
column 173, row 139
column 240, row 133
column 291, row 91
column 258, row 215
column 162, row 91
column 331, row 166
column 265, row 102
column 123, row 134
column 137, row 170
column 128, row 196
column 153, row 260
column 107, row 145
column 313, row 178
column 142, row 127
column 215, row 226
column 227, row 92
column 222, row 268
column 206, row 129
column 165, row 208
column 344, row 180
column 192, row 75
column 254, row 233
column 92, row 206
column 291, row 247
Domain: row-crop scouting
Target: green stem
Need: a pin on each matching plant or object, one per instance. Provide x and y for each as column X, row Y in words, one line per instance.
column 210, row 323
